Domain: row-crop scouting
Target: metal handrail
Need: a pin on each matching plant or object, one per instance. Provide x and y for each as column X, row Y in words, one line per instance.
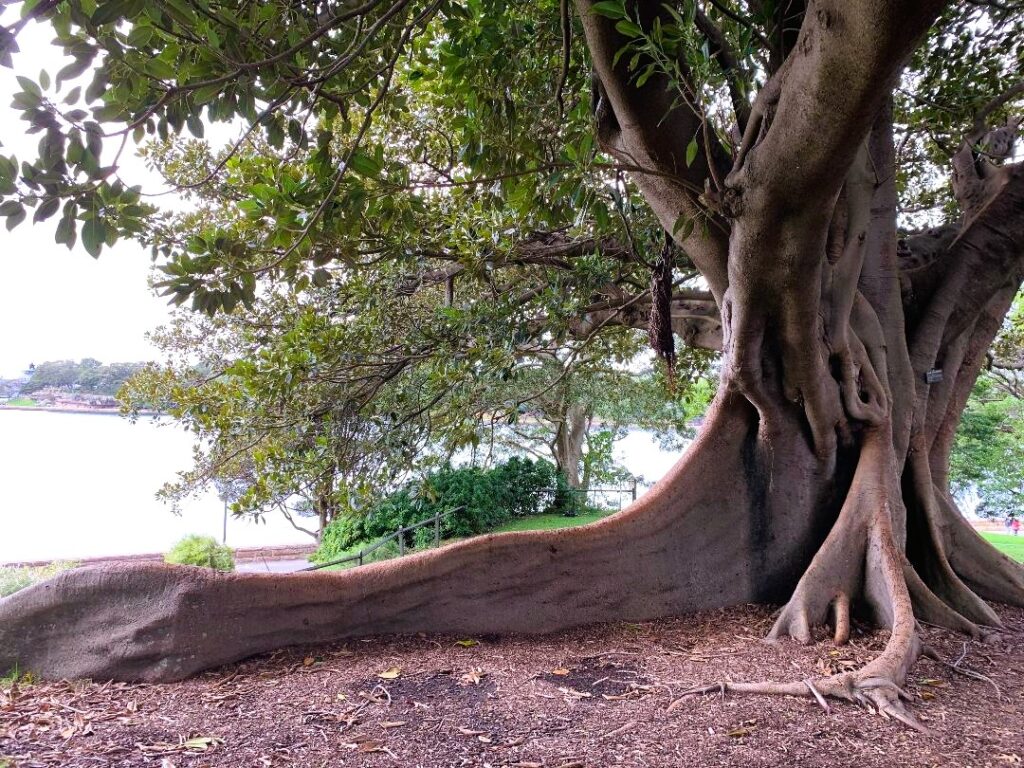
column 399, row 535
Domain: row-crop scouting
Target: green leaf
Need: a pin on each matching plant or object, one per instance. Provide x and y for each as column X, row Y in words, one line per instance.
column 29, row 86
column 206, row 93
column 683, row 227
column 195, row 125
column 107, row 12
column 691, row 151
column 612, row 9
column 15, row 218
column 159, row 69
column 46, row 210
column 321, row 277
column 74, row 69
column 94, row 234
column 10, row 207
column 365, row 165
column 645, row 75
column 66, row 230
column 629, row 28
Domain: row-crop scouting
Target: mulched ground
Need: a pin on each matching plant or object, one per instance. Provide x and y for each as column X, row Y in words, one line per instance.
column 587, row 698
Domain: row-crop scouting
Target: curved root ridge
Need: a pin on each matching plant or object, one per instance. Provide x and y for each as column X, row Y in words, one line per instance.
column 878, row 695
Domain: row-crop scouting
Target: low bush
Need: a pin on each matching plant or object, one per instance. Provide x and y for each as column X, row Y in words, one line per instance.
column 203, row 551
column 472, row 500
column 13, row 579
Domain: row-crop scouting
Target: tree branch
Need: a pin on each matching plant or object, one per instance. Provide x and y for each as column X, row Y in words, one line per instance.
column 647, row 127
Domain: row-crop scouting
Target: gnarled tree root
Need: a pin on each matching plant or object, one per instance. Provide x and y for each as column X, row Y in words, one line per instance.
column 860, row 560
column 687, row 545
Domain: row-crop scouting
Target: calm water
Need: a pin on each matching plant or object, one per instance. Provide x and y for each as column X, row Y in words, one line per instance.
column 82, row 485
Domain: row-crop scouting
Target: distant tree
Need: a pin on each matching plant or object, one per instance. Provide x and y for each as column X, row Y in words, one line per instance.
column 87, row 376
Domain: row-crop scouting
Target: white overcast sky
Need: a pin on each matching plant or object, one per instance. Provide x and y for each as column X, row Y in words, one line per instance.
column 57, row 304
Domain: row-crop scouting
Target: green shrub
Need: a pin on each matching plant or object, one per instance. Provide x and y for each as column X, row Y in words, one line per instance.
column 472, row 500
column 566, row 501
column 203, row 551
column 12, row 579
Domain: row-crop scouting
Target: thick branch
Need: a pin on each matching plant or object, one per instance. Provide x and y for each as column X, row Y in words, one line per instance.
column 819, row 106
column 648, row 128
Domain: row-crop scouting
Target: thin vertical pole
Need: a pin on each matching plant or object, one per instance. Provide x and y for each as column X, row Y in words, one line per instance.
column 401, row 542
column 224, row 536
column 437, row 530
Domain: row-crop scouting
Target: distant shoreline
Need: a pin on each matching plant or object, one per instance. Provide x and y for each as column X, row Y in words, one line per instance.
column 68, row 409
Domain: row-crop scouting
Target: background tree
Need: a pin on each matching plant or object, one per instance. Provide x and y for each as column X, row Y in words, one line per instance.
column 989, row 449
column 86, row 376
column 775, row 144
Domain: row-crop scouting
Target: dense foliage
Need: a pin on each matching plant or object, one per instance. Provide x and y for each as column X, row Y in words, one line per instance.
column 470, row 501
column 203, row 551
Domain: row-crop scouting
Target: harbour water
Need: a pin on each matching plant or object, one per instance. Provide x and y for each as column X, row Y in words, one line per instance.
column 82, row 485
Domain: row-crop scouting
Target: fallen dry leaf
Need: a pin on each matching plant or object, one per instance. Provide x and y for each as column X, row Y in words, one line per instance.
column 471, row 732
column 468, row 643
column 391, row 673
column 560, row 671
column 202, row 743
column 393, row 724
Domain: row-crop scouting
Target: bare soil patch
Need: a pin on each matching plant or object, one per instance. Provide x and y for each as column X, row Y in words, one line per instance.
column 592, row 697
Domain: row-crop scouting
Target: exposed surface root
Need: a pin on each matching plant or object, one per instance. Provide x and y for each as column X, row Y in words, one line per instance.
column 878, row 695
column 934, row 655
column 861, row 561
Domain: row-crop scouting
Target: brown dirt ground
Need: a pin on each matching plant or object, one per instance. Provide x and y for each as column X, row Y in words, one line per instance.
column 591, row 697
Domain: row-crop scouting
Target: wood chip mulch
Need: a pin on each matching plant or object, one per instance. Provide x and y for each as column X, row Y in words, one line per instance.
column 586, row 698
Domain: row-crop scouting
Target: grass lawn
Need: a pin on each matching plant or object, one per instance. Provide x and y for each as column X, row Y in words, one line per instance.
column 24, row 402
column 546, row 522
column 1010, row 545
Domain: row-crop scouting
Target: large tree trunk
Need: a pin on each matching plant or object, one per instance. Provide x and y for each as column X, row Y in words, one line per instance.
column 819, row 479
column 567, row 447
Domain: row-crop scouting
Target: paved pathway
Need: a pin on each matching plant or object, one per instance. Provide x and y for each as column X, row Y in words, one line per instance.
column 271, row 566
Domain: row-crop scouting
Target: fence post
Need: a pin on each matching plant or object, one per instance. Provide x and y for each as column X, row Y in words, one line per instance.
column 360, row 557
column 401, row 542
column 634, row 489
column 437, row 530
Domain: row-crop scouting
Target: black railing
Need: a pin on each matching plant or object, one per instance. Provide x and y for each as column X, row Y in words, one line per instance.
column 398, row 535
column 599, row 497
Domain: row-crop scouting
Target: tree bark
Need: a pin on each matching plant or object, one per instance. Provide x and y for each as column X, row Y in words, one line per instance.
column 567, row 447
